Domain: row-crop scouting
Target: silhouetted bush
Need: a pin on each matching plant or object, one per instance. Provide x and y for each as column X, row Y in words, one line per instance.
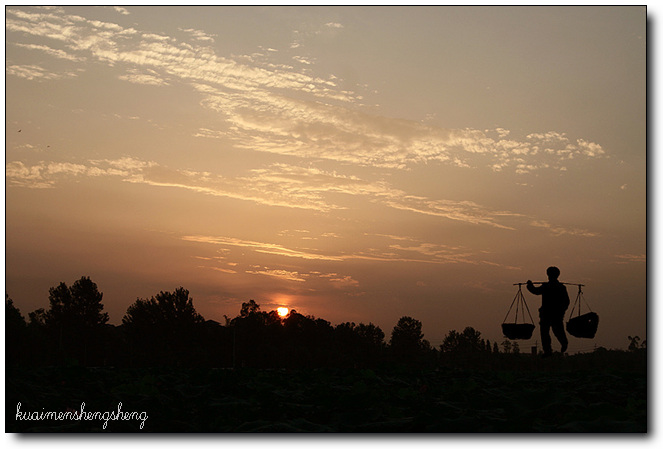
column 166, row 330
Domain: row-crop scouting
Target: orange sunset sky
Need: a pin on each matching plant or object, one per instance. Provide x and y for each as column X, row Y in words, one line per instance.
column 353, row 163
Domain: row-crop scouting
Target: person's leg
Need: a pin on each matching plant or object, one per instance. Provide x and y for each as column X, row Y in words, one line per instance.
column 546, row 342
column 558, row 330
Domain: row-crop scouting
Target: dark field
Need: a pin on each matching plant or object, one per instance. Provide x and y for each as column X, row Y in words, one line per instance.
column 604, row 391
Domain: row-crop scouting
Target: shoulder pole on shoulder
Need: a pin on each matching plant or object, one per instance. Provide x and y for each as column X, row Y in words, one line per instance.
column 565, row 283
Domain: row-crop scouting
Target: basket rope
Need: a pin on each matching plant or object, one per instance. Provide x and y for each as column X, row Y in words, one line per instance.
column 579, row 298
column 517, row 300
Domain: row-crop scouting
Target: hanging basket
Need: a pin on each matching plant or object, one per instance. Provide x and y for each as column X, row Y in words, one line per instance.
column 585, row 325
column 516, row 330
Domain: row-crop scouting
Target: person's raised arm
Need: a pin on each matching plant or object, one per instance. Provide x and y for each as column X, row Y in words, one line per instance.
column 532, row 288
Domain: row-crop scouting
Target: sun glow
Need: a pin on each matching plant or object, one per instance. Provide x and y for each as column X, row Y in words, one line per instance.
column 282, row 311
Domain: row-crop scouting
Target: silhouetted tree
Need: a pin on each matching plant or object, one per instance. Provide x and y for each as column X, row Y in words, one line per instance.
column 407, row 338
column 371, row 334
column 78, row 306
column 42, row 343
column 249, row 308
column 15, row 333
column 357, row 345
column 165, row 328
column 75, row 319
column 217, row 344
column 307, row 341
column 256, row 336
column 37, row 318
column 451, row 342
column 14, row 321
column 347, row 342
column 467, row 341
column 172, row 310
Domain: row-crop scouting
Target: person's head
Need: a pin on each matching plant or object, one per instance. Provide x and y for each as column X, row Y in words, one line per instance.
column 553, row 273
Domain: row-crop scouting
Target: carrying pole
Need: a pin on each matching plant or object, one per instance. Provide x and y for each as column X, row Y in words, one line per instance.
column 565, row 283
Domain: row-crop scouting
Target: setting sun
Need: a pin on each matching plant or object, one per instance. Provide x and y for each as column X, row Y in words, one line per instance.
column 282, row 311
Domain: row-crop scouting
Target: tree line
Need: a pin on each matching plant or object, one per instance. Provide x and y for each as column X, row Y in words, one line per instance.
column 166, row 330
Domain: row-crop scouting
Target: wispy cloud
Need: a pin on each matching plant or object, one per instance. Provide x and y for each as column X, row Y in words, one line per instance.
column 277, row 109
column 279, row 185
column 148, row 77
column 121, row 10
column 199, row 35
column 48, row 174
column 287, row 126
column 261, row 247
column 114, row 44
column 222, row 270
column 465, row 211
column 282, row 274
column 312, row 278
column 420, row 252
column 631, row 258
column 35, row 72
column 54, row 52
column 559, row 230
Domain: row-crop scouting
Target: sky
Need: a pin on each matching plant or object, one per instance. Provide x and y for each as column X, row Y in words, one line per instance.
column 352, row 163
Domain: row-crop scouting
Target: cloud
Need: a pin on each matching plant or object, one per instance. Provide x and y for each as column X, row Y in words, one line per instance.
column 150, row 78
column 54, row 52
column 303, row 60
column 293, row 127
column 121, row 10
column 314, row 279
column 199, row 35
column 17, row 174
column 422, row 252
column 279, row 185
column 589, row 149
column 344, row 281
column 465, row 211
column 261, row 247
column 280, row 110
column 47, row 174
column 222, row 270
column 35, row 72
column 631, row 258
column 548, row 137
column 113, row 44
column 282, row 274
column 559, row 231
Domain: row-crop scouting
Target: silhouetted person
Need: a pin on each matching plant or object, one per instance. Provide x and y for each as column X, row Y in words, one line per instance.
column 554, row 302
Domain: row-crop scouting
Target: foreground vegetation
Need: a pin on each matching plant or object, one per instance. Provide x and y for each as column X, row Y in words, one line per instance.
column 259, row 372
column 597, row 392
